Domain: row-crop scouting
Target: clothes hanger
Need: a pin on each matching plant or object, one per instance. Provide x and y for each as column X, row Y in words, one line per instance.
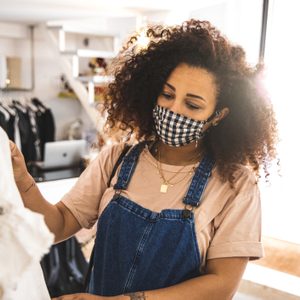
column 6, row 103
column 36, row 101
column 17, row 104
column 39, row 104
column 8, row 108
column 29, row 104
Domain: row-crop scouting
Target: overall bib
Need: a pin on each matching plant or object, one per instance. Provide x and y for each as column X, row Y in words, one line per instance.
column 137, row 249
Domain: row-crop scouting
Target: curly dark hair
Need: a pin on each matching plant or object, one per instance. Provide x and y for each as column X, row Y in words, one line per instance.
column 246, row 136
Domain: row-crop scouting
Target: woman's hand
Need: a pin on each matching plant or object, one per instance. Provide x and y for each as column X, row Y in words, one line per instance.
column 18, row 162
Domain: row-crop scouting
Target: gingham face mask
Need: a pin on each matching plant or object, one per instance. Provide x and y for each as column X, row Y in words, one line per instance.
column 177, row 130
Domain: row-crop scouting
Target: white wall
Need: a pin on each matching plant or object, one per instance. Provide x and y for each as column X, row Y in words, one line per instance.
column 47, row 82
column 47, row 77
column 16, row 46
column 47, row 67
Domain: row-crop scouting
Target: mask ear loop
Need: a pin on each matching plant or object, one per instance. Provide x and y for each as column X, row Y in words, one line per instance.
column 215, row 114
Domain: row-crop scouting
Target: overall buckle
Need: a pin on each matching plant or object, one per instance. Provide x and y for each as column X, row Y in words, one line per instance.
column 117, row 193
column 188, row 211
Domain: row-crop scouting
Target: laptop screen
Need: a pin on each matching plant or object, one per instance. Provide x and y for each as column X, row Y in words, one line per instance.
column 62, row 154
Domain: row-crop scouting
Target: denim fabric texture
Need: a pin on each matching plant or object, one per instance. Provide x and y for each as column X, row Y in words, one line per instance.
column 137, row 249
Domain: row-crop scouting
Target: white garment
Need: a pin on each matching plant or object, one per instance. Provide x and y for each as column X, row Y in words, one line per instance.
column 24, row 239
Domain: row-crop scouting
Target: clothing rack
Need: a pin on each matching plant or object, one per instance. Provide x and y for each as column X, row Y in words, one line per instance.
column 28, row 122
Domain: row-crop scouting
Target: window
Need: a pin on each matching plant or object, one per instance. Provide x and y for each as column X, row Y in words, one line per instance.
column 281, row 200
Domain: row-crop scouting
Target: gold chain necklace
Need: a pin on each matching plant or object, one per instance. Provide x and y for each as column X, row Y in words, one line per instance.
column 167, row 182
column 155, row 164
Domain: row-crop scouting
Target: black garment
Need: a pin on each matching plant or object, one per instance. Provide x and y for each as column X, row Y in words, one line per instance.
column 45, row 123
column 35, row 132
column 65, row 268
column 26, row 134
column 36, row 127
column 11, row 128
column 46, row 126
column 3, row 122
column 8, row 125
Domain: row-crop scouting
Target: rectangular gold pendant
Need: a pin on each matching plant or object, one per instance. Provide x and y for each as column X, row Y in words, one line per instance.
column 163, row 188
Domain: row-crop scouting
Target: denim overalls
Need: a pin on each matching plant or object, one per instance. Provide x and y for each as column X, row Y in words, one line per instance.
column 137, row 249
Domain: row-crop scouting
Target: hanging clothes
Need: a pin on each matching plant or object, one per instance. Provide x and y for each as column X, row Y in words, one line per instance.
column 35, row 132
column 29, row 125
column 4, row 117
column 26, row 134
column 24, row 238
column 7, row 121
column 45, row 123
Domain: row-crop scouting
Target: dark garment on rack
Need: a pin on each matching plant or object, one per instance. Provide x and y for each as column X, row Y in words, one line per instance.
column 45, row 123
column 8, row 125
column 3, row 122
column 30, row 127
column 27, row 136
column 11, row 128
column 46, row 126
column 35, row 132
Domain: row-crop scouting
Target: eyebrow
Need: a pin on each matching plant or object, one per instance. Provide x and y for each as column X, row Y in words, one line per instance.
column 189, row 95
column 170, row 86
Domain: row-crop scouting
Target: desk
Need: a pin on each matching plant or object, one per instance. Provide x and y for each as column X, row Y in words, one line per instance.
column 55, row 174
column 54, row 184
column 54, row 190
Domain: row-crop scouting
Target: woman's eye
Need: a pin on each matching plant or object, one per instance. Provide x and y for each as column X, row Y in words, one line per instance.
column 192, row 106
column 167, row 95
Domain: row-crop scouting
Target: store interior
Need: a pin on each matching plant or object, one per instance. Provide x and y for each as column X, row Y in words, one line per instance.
column 55, row 58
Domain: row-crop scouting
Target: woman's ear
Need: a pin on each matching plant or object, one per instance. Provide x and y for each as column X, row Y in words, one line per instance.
column 221, row 114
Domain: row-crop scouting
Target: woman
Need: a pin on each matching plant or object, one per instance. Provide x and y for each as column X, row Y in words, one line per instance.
column 181, row 217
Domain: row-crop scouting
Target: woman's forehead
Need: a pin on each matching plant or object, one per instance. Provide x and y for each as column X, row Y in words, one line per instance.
column 189, row 79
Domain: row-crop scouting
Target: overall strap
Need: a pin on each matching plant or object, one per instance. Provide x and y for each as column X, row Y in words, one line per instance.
column 91, row 261
column 120, row 159
column 199, row 181
column 128, row 166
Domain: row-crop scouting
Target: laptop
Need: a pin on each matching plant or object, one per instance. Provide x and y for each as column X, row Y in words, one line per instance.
column 62, row 154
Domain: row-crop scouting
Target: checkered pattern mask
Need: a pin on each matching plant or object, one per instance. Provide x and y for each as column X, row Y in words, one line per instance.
column 177, row 130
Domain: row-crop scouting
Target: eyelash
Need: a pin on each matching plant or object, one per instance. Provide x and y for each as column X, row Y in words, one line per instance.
column 167, row 96
column 193, row 107
column 189, row 105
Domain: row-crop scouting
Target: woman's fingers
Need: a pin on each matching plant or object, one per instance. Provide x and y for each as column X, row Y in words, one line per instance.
column 13, row 147
column 18, row 162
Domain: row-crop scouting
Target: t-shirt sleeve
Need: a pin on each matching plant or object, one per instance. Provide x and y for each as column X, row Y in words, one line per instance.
column 84, row 198
column 238, row 226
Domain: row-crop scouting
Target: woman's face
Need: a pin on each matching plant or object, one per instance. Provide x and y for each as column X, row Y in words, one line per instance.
column 190, row 91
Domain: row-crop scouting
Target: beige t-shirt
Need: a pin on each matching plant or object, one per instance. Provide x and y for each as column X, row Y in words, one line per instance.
column 227, row 223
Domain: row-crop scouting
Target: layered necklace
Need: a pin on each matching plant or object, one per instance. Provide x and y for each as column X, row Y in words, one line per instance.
column 168, row 182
